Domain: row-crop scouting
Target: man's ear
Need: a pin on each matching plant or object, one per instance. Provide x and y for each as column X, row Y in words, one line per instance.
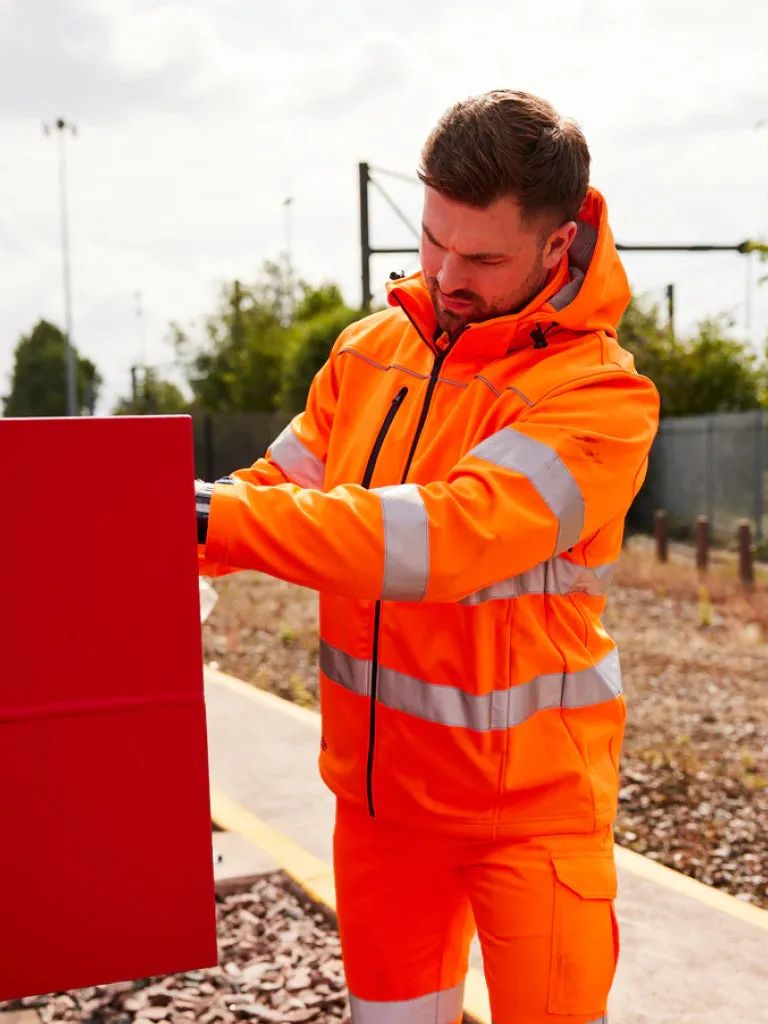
column 558, row 244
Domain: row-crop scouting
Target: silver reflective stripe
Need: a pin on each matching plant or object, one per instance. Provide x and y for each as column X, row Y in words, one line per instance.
column 546, row 471
column 352, row 673
column 435, row 1008
column 406, row 543
column 557, row 576
column 500, row 709
column 297, row 461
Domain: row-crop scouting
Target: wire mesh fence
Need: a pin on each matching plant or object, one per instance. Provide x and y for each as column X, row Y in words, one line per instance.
column 225, row 442
column 700, row 465
column 708, row 465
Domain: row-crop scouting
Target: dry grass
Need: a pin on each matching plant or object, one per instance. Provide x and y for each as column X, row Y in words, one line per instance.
column 718, row 595
column 265, row 631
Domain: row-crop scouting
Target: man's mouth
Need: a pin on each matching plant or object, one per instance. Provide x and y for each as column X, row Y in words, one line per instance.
column 455, row 305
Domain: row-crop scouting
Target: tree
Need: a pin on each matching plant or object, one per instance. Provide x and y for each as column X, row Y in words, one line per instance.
column 707, row 372
column 238, row 366
column 319, row 320
column 263, row 344
column 154, row 396
column 39, row 378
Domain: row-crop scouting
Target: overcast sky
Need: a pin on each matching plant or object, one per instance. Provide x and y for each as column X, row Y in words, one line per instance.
column 197, row 118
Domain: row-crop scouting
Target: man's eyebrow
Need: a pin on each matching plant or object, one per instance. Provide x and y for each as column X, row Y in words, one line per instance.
column 467, row 256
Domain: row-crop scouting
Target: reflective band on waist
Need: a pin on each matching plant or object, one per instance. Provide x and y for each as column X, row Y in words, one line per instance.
column 297, row 461
column 352, row 673
column 435, row 1008
column 546, row 471
column 406, row 543
column 557, row 576
column 500, row 709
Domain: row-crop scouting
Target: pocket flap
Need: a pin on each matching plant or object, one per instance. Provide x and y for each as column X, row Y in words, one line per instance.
column 593, row 878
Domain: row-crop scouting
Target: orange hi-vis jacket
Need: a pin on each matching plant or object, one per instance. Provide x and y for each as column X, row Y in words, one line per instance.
column 459, row 508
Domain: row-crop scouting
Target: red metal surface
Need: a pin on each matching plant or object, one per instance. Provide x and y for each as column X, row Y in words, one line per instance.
column 106, row 865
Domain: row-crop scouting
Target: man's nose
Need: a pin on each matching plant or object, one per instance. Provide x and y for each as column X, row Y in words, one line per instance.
column 452, row 276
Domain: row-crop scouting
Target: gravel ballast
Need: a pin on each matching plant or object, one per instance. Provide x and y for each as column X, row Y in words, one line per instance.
column 279, row 962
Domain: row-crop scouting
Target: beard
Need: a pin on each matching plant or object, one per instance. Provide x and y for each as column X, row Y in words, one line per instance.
column 453, row 322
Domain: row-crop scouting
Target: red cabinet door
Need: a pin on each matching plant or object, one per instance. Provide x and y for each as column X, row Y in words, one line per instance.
column 106, row 863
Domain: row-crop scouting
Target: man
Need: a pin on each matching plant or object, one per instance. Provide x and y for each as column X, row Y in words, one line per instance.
column 456, row 490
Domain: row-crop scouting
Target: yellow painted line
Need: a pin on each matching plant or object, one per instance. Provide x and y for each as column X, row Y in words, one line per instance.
column 316, row 879
column 628, row 860
column 644, row 867
column 297, row 862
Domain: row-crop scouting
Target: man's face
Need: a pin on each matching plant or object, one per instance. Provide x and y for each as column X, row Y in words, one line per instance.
column 480, row 264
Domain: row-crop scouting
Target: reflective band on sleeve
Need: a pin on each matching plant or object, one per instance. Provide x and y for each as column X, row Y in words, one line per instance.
column 297, row 461
column 436, row 1008
column 557, row 576
column 406, row 543
column 541, row 464
column 500, row 709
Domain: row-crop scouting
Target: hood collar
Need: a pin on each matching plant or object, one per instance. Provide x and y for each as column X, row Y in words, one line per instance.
column 587, row 291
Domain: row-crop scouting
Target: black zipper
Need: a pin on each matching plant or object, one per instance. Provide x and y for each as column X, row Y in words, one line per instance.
column 433, row 377
column 372, row 720
column 394, row 405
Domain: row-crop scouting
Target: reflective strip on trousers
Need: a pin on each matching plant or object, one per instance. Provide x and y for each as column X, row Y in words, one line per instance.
column 548, row 474
column 557, row 576
column 297, row 461
column 500, row 709
column 435, row 1008
column 406, row 543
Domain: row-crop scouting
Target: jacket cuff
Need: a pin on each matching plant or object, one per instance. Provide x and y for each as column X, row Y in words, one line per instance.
column 210, row 516
column 203, row 496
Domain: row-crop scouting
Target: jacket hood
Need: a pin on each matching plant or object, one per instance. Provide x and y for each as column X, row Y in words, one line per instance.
column 588, row 291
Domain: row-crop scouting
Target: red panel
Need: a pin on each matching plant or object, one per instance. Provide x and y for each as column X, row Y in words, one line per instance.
column 106, row 862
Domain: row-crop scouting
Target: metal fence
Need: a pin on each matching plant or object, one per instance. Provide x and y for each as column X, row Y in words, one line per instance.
column 700, row 465
column 225, row 442
column 708, row 465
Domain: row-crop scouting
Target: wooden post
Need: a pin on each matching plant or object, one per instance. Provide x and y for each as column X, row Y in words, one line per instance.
column 660, row 533
column 702, row 543
column 746, row 567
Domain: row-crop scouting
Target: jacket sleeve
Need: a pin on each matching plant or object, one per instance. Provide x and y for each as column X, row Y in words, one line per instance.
column 530, row 490
column 297, row 456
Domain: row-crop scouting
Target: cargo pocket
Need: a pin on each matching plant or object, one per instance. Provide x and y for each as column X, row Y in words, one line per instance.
column 585, row 934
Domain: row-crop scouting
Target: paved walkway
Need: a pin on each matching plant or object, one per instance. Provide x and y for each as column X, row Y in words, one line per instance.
column 690, row 954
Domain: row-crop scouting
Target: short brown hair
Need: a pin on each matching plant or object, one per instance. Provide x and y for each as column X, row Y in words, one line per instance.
column 508, row 143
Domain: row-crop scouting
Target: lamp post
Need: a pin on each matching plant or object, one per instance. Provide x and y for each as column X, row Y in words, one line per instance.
column 287, row 204
column 62, row 128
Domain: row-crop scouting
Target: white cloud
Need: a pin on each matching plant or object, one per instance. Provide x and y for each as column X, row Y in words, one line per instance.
column 197, row 118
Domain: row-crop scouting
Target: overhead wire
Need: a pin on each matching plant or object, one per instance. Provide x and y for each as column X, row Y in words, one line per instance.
column 396, row 174
column 393, row 205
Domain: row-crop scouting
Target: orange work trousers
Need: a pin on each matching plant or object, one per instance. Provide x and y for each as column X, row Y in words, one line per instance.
column 409, row 904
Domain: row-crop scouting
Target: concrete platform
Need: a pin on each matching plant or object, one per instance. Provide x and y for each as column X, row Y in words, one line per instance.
column 690, row 954
column 235, row 857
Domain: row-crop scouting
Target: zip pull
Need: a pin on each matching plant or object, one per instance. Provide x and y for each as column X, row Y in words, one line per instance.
column 396, row 401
